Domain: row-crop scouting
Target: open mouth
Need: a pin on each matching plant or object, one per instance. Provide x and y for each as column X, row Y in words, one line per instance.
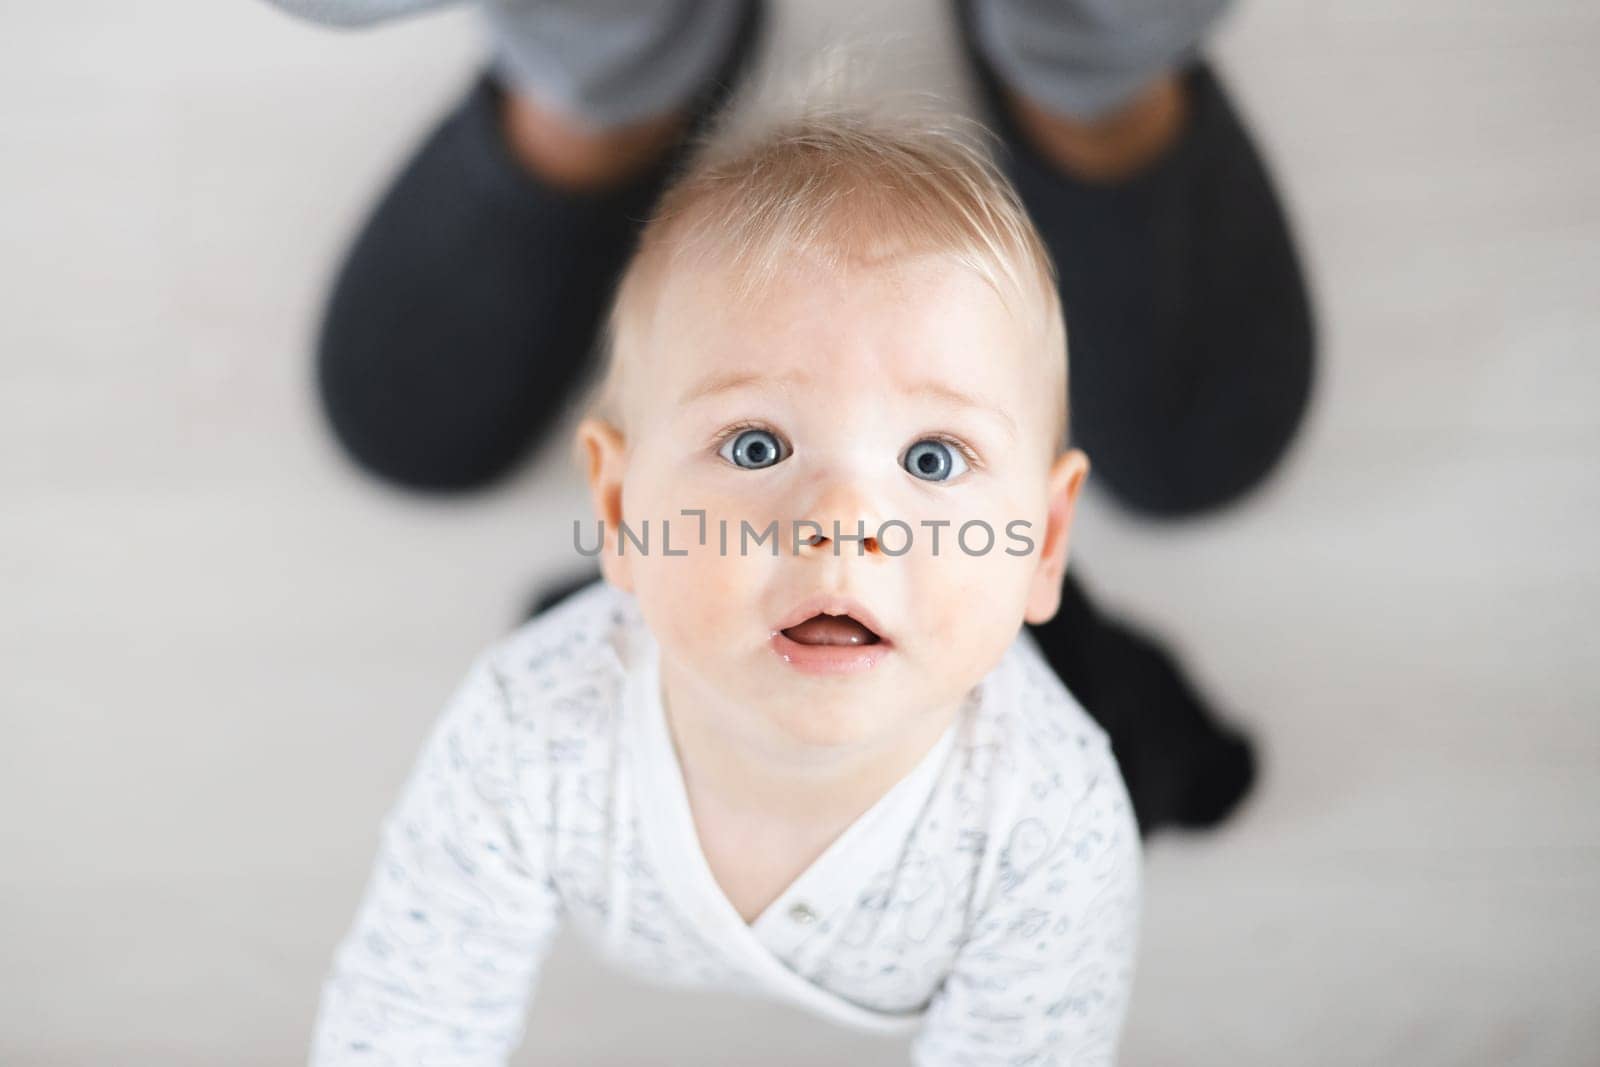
column 825, row 629
column 831, row 635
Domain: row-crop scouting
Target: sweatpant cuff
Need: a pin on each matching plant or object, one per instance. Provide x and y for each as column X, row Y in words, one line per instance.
column 1089, row 58
column 609, row 65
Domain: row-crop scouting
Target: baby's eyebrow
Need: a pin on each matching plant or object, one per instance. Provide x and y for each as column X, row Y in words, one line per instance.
column 726, row 382
column 950, row 395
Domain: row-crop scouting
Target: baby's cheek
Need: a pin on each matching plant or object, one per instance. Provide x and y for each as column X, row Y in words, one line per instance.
column 704, row 592
column 969, row 604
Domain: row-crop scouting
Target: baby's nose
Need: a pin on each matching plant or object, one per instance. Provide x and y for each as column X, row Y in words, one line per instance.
column 843, row 521
column 859, row 540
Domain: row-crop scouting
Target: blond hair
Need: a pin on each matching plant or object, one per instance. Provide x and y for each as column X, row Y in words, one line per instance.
column 842, row 185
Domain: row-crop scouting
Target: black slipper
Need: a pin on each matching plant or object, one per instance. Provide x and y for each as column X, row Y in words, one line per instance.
column 1188, row 319
column 1182, row 766
column 464, row 313
column 558, row 590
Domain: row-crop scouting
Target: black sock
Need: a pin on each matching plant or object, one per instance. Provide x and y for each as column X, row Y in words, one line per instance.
column 1182, row 766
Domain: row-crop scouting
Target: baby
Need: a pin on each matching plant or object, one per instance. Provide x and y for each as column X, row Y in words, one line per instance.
column 797, row 742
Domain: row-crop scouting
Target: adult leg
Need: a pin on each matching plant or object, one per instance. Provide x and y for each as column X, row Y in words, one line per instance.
column 1187, row 320
column 462, row 317
column 1187, row 314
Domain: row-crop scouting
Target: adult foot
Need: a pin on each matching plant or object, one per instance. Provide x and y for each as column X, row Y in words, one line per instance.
column 463, row 316
column 1187, row 313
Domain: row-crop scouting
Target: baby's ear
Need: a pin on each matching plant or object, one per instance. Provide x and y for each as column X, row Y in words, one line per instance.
column 1065, row 483
column 605, row 452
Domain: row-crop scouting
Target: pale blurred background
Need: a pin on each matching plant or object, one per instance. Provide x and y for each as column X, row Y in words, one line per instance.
column 220, row 646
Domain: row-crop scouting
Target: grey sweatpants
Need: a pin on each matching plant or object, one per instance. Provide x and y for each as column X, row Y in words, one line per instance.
column 614, row 61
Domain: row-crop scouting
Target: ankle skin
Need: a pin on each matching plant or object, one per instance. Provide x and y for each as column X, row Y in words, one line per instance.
column 1114, row 147
column 569, row 155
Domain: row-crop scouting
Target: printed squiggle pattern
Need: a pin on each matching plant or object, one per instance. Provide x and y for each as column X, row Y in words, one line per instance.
column 1004, row 925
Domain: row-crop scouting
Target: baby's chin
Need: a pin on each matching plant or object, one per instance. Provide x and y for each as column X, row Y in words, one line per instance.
column 844, row 718
column 899, row 696
column 866, row 709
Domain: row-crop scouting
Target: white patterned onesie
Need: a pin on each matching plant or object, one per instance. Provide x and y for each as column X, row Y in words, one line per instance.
column 989, row 900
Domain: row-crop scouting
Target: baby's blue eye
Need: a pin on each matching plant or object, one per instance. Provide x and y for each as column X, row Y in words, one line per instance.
column 752, row 450
column 934, row 461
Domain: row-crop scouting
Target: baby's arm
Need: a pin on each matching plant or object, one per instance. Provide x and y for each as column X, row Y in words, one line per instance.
column 459, row 910
column 1045, row 978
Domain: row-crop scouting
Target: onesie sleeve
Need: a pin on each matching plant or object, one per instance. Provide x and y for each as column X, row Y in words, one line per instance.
column 459, row 909
column 1045, row 976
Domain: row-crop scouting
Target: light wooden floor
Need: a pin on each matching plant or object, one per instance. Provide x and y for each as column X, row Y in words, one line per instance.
column 219, row 647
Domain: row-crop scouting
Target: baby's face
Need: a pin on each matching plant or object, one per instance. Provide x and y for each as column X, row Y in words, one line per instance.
column 904, row 393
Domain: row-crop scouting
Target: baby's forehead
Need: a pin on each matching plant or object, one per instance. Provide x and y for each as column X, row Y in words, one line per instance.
column 813, row 293
column 908, row 331
column 920, row 312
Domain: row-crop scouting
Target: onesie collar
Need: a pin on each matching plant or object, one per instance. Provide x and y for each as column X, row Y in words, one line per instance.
column 817, row 900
